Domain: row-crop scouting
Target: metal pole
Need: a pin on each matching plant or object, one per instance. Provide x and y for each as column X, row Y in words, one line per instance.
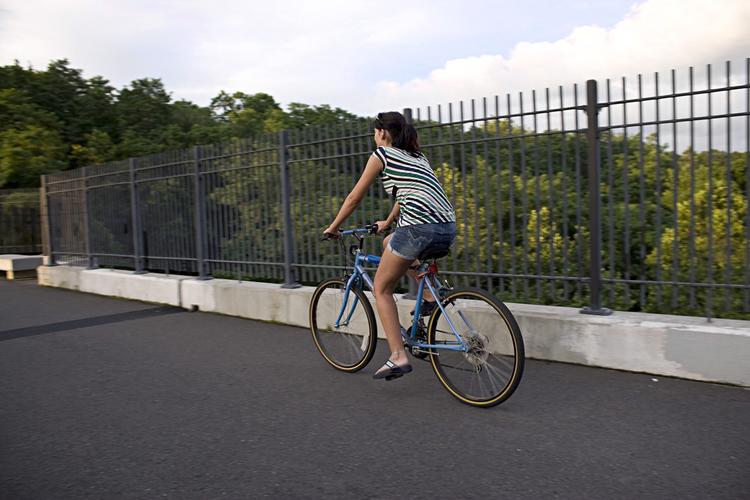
column 289, row 279
column 595, row 258
column 136, row 222
column 49, row 259
column 199, row 215
column 86, row 226
column 412, row 293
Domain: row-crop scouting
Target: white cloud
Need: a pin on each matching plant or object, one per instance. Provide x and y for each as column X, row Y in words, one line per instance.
column 656, row 35
column 356, row 54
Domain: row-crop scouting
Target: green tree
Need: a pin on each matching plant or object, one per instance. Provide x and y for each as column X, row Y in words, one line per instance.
column 98, row 148
column 302, row 115
column 17, row 110
column 144, row 107
column 27, row 153
column 61, row 90
column 134, row 144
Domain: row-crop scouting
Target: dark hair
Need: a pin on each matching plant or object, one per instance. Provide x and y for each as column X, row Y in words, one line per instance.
column 403, row 135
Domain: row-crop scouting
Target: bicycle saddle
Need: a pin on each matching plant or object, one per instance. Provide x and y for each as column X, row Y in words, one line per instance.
column 434, row 253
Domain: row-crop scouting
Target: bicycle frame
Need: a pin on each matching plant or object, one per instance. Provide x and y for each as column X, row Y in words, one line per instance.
column 428, row 279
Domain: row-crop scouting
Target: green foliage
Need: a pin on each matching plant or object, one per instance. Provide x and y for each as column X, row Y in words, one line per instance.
column 301, row 115
column 18, row 110
column 27, row 153
column 98, row 148
column 144, row 107
column 97, row 123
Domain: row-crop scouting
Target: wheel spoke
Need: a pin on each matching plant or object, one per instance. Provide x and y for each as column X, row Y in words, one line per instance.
column 350, row 346
column 483, row 374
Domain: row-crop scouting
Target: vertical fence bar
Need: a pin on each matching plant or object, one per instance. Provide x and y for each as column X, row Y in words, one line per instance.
column 691, row 229
column 488, row 219
column 499, row 200
column 550, row 203
column 747, row 185
column 537, row 198
column 524, row 201
column 595, row 257
column 135, row 221
column 473, row 161
column 564, row 190
column 658, row 193
column 289, row 280
column 86, row 226
column 199, row 215
column 728, row 158
column 710, row 199
column 675, row 193
column 511, row 199
column 579, row 232
column 610, row 195
column 46, row 223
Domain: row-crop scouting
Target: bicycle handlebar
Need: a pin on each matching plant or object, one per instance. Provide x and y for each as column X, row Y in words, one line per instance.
column 369, row 229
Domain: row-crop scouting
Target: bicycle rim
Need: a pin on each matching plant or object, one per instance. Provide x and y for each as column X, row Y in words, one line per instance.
column 350, row 346
column 489, row 372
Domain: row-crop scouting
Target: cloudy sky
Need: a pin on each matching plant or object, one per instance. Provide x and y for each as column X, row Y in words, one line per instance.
column 366, row 56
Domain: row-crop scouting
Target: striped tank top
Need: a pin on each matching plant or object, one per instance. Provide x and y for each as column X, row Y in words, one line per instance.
column 417, row 190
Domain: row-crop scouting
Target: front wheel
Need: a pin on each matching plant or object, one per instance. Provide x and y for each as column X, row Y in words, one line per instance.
column 350, row 345
column 490, row 368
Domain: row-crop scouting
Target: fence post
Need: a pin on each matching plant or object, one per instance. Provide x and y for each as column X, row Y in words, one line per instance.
column 44, row 212
column 135, row 225
column 412, row 293
column 595, row 245
column 90, row 260
column 289, row 279
column 199, row 203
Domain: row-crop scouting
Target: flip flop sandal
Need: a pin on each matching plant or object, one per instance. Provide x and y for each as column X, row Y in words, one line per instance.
column 393, row 371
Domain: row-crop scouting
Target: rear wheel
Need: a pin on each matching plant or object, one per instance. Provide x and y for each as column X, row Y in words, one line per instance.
column 351, row 345
column 488, row 372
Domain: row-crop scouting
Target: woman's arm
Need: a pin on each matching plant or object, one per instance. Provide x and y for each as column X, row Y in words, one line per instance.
column 384, row 224
column 372, row 170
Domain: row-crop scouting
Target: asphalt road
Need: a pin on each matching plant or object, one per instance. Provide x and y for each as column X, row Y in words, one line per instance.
column 107, row 398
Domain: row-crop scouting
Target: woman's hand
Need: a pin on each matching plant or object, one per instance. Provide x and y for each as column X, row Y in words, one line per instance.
column 332, row 232
column 382, row 225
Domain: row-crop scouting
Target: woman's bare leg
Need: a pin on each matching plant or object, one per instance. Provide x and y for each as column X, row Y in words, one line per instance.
column 411, row 273
column 390, row 270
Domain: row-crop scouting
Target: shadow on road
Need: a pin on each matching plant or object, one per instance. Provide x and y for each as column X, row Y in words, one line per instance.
column 87, row 322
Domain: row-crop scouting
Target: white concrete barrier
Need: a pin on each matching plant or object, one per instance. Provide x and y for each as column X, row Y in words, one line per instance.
column 15, row 264
column 114, row 283
column 678, row 346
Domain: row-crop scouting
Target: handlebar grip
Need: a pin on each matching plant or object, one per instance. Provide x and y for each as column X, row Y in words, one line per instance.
column 329, row 236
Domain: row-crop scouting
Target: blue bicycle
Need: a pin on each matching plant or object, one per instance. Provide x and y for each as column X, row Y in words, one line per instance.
column 471, row 339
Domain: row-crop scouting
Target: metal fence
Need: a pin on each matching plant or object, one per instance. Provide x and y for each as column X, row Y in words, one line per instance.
column 627, row 194
column 20, row 231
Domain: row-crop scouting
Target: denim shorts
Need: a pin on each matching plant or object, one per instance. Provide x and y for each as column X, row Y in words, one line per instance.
column 409, row 242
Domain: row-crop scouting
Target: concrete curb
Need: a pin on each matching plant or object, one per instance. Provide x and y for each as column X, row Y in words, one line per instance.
column 676, row 346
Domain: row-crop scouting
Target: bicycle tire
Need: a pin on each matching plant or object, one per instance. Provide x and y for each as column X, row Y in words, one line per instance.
column 365, row 336
column 440, row 358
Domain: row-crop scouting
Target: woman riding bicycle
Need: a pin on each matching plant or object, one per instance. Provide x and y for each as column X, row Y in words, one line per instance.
column 425, row 219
